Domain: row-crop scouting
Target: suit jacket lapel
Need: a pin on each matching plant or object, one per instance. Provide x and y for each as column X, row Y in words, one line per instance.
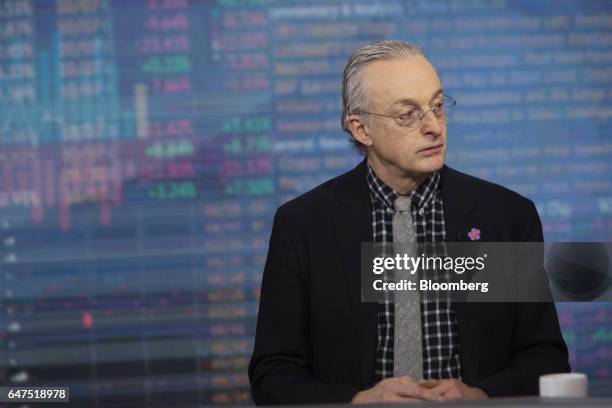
column 459, row 204
column 352, row 222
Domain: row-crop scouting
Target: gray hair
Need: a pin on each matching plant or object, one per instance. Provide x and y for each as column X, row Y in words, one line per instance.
column 354, row 94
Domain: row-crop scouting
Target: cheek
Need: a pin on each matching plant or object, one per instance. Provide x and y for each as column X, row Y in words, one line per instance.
column 393, row 142
column 404, row 142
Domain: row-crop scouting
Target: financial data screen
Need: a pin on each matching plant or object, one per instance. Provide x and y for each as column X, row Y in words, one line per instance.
column 146, row 144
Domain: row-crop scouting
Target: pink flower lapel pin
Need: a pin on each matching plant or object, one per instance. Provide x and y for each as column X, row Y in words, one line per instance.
column 474, row 234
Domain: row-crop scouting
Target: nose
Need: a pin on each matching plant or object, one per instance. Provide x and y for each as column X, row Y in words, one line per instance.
column 431, row 125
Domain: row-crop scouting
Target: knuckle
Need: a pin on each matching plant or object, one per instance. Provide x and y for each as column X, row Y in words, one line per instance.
column 454, row 392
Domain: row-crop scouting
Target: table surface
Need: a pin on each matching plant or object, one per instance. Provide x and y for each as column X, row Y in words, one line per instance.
column 522, row 402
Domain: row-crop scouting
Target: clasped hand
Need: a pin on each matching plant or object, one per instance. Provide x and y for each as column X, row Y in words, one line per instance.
column 405, row 389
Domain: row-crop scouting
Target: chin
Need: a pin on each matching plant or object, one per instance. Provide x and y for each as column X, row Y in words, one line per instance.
column 430, row 164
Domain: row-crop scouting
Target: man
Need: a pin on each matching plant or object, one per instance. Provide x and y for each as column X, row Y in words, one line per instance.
column 316, row 342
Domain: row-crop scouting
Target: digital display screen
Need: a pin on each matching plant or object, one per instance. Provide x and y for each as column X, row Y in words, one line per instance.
column 146, row 144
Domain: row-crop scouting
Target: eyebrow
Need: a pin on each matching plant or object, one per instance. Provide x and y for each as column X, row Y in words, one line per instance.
column 410, row 101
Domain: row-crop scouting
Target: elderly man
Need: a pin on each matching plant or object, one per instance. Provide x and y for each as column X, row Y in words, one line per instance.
column 316, row 342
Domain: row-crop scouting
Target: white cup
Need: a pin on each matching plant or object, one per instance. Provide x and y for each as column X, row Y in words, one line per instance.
column 563, row 385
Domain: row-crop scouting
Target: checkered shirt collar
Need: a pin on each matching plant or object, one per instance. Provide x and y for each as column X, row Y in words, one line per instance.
column 385, row 195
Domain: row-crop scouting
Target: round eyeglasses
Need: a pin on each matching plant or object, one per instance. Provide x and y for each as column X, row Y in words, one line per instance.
column 413, row 118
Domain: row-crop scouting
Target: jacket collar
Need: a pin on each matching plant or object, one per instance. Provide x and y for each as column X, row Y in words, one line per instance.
column 352, row 192
column 351, row 188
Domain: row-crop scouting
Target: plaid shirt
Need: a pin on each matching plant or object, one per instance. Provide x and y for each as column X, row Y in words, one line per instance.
column 439, row 326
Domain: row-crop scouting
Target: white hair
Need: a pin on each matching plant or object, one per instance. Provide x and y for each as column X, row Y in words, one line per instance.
column 354, row 93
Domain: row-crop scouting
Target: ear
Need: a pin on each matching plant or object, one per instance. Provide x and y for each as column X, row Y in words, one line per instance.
column 358, row 129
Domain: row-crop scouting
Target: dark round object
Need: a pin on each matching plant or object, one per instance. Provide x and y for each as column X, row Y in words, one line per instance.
column 579, row 270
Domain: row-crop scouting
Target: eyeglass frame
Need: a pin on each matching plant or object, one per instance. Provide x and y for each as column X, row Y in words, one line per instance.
column 419, row 122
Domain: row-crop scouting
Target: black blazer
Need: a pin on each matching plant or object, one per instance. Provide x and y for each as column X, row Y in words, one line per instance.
column 316, row 341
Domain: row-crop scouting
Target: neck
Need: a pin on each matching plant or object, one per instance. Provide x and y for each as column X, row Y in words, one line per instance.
column 398, row 180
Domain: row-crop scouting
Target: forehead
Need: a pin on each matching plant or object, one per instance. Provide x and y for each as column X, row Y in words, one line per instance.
column 410, row 77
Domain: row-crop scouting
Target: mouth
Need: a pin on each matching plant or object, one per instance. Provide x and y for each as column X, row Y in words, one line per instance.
column 432, row 150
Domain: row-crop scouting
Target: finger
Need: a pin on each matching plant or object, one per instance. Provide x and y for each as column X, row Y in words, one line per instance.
column 397, row 398
column 431, row 395
column 413, row 390
column 430, row 383
column 406, row 378
column 404, row 389
column 443, row 388
column 453, row 394
column 403, row 381
column 411, row 401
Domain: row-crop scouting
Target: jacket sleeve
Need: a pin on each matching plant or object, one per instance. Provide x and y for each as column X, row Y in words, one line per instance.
column 537, row 345
column 280, row 370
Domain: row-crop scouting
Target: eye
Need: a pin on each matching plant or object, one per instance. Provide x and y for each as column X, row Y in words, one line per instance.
column 438, row 108
column 409, row 115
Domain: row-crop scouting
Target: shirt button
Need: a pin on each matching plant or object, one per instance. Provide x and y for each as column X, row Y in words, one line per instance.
column 389, row 211
column 421, row 211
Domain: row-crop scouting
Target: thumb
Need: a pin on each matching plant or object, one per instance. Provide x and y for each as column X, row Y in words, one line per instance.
column 429, row 383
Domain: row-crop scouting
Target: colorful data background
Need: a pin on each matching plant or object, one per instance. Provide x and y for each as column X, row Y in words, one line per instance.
column 146, row 144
